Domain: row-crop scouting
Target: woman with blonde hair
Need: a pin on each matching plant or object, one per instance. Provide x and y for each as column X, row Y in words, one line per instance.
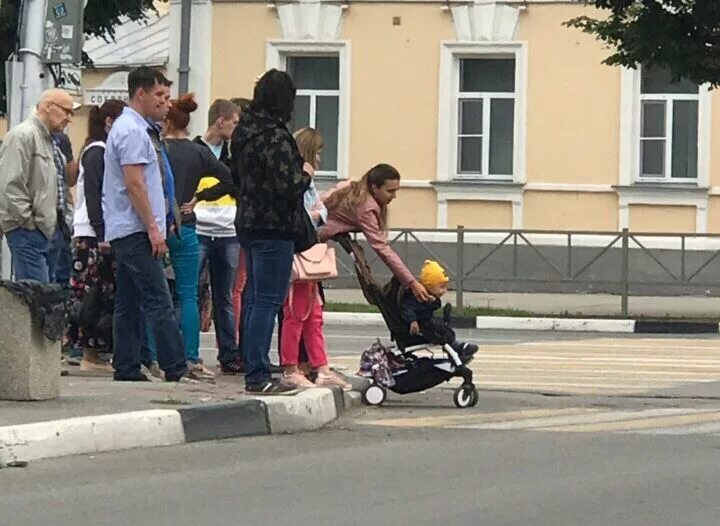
column 303, row 307
column 363, row 206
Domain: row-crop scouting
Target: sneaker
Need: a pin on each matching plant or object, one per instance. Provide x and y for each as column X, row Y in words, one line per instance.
column 154, row 371
column 197, row 371
column 296, row 380
column 271, row 387
column 232, row 368
column 332, row 380
column 75, row 355
column 276, row 369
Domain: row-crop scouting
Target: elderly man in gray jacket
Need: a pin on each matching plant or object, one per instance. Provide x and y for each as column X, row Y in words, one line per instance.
column 32, row 185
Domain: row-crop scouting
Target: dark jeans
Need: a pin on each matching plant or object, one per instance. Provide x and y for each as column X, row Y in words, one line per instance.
column 269, row 263
column 143, row 291
column 59, row 259
column 30, row 251
column 222, row 255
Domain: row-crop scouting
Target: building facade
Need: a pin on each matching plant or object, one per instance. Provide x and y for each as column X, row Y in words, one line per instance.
column 496, row 115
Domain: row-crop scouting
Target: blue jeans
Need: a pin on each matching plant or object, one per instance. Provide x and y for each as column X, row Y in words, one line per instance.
column 30, row 251
column 222, row 255
column 143, row 291
column 269, row 263
column 185, row 257
column 59, row 259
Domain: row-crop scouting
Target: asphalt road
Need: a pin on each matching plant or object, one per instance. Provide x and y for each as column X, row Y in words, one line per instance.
column 380, row 476
column 594, row 458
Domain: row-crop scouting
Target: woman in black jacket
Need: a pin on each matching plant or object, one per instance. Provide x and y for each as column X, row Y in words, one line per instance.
column 271, row 179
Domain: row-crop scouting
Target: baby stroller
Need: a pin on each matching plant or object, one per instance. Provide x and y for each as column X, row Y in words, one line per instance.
column 406, row 367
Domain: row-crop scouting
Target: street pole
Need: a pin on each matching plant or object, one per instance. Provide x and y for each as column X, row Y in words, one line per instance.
column 184, row 66
column 33, row 81
column 28, row 81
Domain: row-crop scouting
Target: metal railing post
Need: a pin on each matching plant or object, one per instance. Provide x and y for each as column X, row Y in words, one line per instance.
column 683, row 273
column 460, row 273
column 625, row 272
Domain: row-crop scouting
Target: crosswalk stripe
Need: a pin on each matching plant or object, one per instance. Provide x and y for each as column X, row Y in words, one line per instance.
column 450, row 420
column 661, row 421
column 595, row 421
column 645, row 422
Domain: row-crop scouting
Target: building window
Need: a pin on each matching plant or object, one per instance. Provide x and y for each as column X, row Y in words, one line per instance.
column 482, row 113
column 317, row 79
column 486, row 117
column 669, row 127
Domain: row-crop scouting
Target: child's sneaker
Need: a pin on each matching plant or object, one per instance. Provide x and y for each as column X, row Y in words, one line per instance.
column 466, row 351
column 296, row 380
column 332, row 380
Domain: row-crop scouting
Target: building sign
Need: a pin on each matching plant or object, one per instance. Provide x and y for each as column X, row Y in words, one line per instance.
column 71, row 79
column 115, row 87
column 63, row 33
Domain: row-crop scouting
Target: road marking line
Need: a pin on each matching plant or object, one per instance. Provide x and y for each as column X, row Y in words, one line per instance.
column 446, row 420
column 606, row 420
column 711, row 428
column 643, row 423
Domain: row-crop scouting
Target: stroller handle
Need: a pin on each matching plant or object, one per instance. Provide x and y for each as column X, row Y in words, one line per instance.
column 344, row 241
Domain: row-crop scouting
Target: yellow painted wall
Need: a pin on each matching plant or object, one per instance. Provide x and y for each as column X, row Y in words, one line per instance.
column 714, row 142
column 714, row 215
column 480, row 214
column 413, row 208
column 671, row 219
column 570, row 211
column 240, row 34
column 395, row 71
column 573, row 121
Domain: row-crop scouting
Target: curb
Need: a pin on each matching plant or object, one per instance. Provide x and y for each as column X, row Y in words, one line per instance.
column 351, row 319
column 306, row 411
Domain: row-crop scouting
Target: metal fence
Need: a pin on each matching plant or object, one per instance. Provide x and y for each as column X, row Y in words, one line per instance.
column 622, row 263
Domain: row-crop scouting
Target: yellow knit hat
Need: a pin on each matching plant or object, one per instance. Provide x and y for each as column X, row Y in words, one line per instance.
column 432, row 274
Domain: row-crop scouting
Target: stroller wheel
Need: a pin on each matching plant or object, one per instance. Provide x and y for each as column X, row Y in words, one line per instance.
column 374, row 395
column 465, row 396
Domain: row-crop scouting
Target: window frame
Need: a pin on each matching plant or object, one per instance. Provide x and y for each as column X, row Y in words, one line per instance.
column 452, row 53
column 278, row 52
column 631, row 135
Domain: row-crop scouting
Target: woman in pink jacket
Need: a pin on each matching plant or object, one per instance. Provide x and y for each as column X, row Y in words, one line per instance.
column 362, row 206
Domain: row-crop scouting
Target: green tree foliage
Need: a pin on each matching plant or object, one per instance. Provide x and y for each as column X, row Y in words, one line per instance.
column 101, row 19
column 682, row 36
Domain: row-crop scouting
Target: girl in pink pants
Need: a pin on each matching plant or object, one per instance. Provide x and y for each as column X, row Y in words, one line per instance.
column 303, row 309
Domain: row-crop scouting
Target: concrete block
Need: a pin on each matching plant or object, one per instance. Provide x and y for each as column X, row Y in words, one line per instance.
column 30, row 362
column 306, row 411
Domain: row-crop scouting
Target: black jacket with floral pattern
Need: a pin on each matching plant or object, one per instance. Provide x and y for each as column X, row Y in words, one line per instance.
column 268, row 171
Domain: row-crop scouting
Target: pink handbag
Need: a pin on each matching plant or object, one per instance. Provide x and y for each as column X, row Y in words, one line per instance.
column 315, row 264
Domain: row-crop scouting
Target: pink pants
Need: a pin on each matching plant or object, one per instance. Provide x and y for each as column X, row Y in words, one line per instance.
column 303, row 319
column 240, row 280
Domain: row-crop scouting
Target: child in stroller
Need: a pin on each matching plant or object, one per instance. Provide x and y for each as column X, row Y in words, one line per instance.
column 405, row 367
column 419, row 316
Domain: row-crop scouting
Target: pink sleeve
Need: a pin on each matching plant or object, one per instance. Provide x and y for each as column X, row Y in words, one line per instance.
column 370, row 225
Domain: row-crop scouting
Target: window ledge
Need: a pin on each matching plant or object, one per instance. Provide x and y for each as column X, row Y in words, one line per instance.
column 478, row 183
column 656, row 187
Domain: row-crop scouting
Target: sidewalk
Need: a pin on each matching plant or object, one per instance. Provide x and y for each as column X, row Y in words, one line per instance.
column 95, row 414
column 678, row 307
